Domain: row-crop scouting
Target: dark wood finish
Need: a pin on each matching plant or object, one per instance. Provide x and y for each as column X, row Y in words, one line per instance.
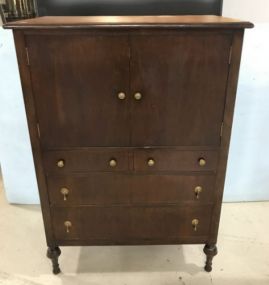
column 227, row 128
column 86, row 160
column 204, row 21
column 130, row 166
column 83, row 100
column 153, row 74
column 157, row 241
column 171, row 160
column 137, row 223
column 35, row 142
column 53, row 253
column 129, row 159
column 150, row 74
column 105, row 189
column 210, row 251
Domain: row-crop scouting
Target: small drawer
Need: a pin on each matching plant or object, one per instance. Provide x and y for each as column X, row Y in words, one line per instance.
column 128, row 224
column 175, row 160
column 86, row 160
column 129, row 189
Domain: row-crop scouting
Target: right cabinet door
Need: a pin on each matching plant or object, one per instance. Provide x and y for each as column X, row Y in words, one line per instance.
column 181, row 78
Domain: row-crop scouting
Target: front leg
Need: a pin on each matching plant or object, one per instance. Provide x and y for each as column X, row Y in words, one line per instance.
column 53, row 253
column 210, row 250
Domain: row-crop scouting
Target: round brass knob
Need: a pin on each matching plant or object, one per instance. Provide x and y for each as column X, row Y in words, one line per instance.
column 195, row 223
column 138, row 96
column 151, row 162
column 60, row 163
column 64, row 192
column 202, row 162
column 121, row 95
column 67, row 225
column 113, row 163
column 198, row 190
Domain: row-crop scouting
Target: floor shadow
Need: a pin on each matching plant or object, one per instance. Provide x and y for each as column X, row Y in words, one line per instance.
column 134, row 259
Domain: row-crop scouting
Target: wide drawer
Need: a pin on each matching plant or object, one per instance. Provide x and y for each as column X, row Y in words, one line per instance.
column 129, row 159
column 123, row 224
column 129, row 189
column 100, row 159
column 175, row 160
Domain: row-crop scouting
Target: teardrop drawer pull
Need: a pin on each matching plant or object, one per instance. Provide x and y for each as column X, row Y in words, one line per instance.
column 67, row 225
column 195, row 223
column 198, row 190
column 64, row 192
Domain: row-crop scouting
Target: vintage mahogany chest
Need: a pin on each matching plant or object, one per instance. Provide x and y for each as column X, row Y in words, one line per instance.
column 130, row 121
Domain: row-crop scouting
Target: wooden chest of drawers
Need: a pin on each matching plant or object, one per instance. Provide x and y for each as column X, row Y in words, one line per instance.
column 130, row 121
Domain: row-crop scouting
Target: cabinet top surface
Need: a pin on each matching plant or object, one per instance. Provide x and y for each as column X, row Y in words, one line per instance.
column 57, row 22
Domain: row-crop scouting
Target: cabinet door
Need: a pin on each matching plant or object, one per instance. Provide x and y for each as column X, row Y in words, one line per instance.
column 76, row 78
column 182, row 79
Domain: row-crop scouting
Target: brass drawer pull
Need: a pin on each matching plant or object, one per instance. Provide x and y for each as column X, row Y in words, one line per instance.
column 60, row 163
column 113, row 162
column 64, row 192
column 195, row 223
column 121, row 95
column 202, row 162
column 151, row 162
column 67, row 225
column 138, row 96
column 198, row 190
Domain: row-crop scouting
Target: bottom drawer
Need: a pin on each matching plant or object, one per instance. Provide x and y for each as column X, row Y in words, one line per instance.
column 129, row 225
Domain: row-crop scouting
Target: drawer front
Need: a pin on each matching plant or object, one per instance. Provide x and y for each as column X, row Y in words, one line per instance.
column 175, row 160
column 121, row 224
column 129, row 189
column 86, row 160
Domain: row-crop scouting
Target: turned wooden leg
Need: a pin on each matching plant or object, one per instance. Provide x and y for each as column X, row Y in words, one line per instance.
column 210, row 250
column 53, row 253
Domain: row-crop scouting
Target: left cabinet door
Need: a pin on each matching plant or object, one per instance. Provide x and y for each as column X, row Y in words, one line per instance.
column 76, row 80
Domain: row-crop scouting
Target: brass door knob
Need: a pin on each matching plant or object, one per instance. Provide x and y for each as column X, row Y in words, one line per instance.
column 138, row 96
column 64, row 192
column 67, row 225
column 121, row 95
column 60, row 163
column 202, row 162
column 198, row 190
column 195, row 223
column 151, row 162
column 113, row 163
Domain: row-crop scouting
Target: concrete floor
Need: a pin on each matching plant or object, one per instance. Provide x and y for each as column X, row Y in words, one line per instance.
column 243, row 254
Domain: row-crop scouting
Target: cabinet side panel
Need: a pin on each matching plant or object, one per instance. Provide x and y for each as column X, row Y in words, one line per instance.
column 32, row 126
column 227, row 128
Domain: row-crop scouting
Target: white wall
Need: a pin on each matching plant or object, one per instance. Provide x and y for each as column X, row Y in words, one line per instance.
column 15, row 151
column 252, row 10
column 248, row 167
